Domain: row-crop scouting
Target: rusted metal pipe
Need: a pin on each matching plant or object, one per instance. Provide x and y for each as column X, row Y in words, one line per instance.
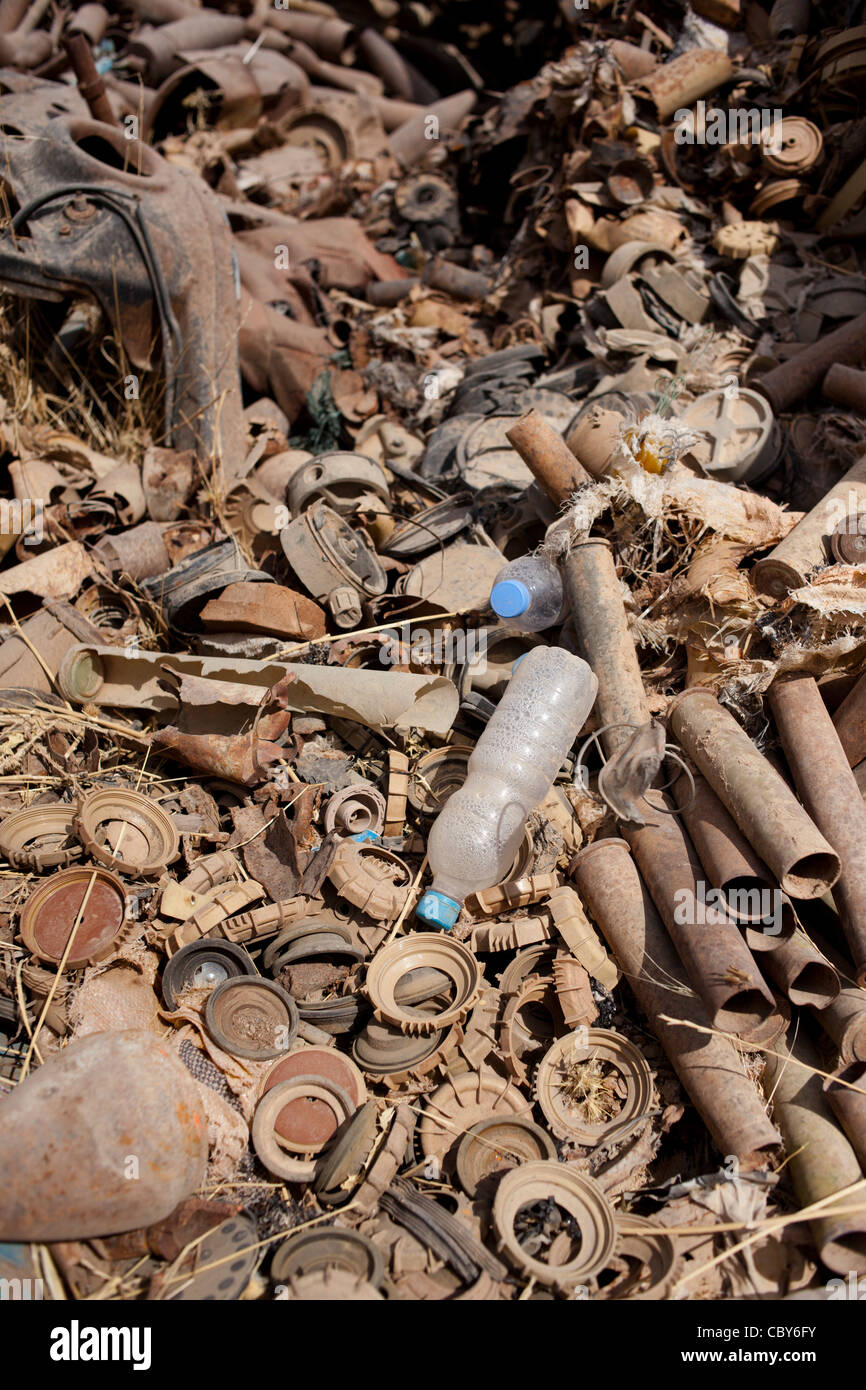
column 90, row 20
column 455, row 280
column 25, row 50
column 547, row 456
column 730, row 863
column 595, row 438
column 760, row 801
column 820, row 1159
column 681, row 81
column 829, row 791
column 717, row 960
column 845, row 1019
column 388, row 292
column 11, row 14
column 846, row 386
column 789, row 565
column 328, row 35
column 382, row 58
column 599, row 618
column 90, row 84
column 789, row 383
column 409, row 142
column 849, row 1106
column 849, row 722
column 709, row 1067
column 799, row 969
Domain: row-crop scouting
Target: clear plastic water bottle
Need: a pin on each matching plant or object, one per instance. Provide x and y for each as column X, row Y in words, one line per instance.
column 477, row 833
column 528, row 592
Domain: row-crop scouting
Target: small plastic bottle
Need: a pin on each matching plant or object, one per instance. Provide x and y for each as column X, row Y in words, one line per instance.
column 528, row 593
column 477, row 833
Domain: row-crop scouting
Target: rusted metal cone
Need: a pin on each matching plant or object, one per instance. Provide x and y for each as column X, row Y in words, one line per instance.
column 760, row 801
column 788, row 566
column 799, row 969
column 829, row 792
column 820, row 1158
column 107, row 1136
column 547, row 456
column 849, row 1106
column 599, row 618
column 709, row 1067
column 717, row 960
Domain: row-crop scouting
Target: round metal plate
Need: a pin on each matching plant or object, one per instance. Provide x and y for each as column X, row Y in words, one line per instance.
column 50, row 913
column 799, row 149
column 225, row 1263
column 848, row 541
column 738, row 437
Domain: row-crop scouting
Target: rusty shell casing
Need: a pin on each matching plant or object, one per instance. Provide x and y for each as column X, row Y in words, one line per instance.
column 821, row 1160
column 717, row 960
column 845, row 386
column 455, row 280
column 800, row 970
column 849, row 721
column 845, row 1019
column 681, row 81
column 730, row 863
column 829, row 791
column 789, row 565
column 410, row 141
column 11, row 14
column 70, row 1129
column 788, row 18
column 328, row 36
column 788, row 384
column 382, row 58
column 594, row 440
column 599, row 618
column 90, row 20
column 709, row 1066
column 90, row 84
column 547, row 456
column 849, row 1106
column 758, row 798
column 385, row 293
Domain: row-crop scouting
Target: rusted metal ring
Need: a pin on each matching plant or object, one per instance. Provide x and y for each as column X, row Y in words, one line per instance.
column 580, row 1197
column 239, row 1008
column 512, row 1138
column 21, row 832
column 272, row 1155
column 650, row 1258
column 356, row 808
column 589, row 1046
column 431, row 949
column 146, row 849
column 310, row 1252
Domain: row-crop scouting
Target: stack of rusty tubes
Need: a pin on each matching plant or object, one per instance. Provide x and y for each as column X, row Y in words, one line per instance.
column 716, row 985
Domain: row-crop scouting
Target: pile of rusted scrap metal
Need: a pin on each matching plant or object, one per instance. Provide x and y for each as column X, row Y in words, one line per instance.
column 321, row 324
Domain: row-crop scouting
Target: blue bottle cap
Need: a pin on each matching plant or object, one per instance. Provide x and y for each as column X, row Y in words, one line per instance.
column 438, row 910
column 509, row 598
